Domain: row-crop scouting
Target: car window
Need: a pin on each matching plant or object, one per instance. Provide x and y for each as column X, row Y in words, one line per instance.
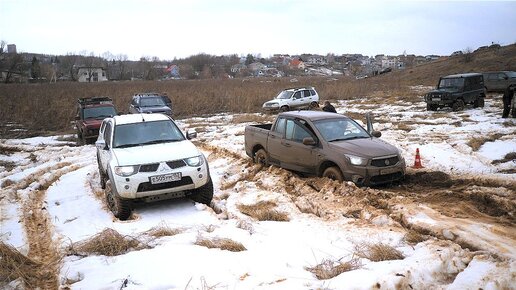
column 280, row 126
column 135, row 134
column 313, row 92
column 297, row 95
column 99, row 112
column 501, row 76
column 306, row 93
column 151, row 102
column 340, row 129
column 295, row 132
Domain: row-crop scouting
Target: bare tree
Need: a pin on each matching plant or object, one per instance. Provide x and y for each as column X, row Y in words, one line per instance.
column 467, row 55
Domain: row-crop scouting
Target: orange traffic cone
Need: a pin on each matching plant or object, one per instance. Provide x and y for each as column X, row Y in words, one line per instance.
column 417, row 161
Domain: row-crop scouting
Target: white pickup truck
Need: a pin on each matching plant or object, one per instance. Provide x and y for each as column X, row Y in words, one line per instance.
column 146, row 157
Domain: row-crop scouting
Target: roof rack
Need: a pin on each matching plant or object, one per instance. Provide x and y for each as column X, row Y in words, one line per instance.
column 94, row 100
column 300, row 88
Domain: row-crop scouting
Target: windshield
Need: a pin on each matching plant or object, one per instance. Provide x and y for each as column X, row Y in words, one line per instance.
column 285, row 95
column 511, row 74
column 152, row 102
column 98, row 112
column 451, row 83
column 340, row 129
column 137, row 134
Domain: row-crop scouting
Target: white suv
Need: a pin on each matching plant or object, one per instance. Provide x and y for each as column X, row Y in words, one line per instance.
column 294, row 98
column 145, row 157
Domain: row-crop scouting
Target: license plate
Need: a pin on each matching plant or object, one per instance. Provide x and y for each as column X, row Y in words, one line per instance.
column 436, row 99
column 165, row 178
column 388, row 171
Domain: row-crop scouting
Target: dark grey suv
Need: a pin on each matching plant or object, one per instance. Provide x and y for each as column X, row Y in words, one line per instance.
column 456, row 91
column 499, row 81
column 150, row 103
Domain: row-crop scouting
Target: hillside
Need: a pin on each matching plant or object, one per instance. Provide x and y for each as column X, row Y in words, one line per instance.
column 488, row 59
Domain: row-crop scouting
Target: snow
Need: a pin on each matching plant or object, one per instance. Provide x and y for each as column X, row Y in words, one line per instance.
column 277, row 253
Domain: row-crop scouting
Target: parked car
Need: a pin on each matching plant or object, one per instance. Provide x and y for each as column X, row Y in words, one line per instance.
column 293, row 98
column 325, row 144
column 456, row 91
column 132, row 170
column 89, row 115
column 150, row 103
column 499, row 81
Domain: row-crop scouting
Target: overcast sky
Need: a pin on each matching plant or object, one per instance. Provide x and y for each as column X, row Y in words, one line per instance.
column 168, row 28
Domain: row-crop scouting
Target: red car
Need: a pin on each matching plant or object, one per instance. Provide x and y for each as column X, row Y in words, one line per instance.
column 90, row 114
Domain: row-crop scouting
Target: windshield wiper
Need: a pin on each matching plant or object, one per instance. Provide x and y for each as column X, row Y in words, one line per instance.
column 128, row 145
column 159, row 141
column 349, row 138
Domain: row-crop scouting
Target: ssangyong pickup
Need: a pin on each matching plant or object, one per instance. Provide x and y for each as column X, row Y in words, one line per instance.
column 146, row 157
column 325, row 144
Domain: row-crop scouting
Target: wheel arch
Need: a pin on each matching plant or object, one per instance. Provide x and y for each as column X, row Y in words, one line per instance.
column 326, row 164
column 256, row 148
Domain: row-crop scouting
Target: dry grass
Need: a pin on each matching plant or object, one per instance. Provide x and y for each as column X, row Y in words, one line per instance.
column 508, row 157
column 263, row 211
column 220, row 243
column 163, row 231
column 477, row 142
column 14, row 265
column 378, row 252
column 328, row 269
column 8, row 165
column 412, row 237
column 108, row 243
column 252, row 118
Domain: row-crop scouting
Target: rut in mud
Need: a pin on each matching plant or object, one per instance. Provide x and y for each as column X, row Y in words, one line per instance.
column 458, row 202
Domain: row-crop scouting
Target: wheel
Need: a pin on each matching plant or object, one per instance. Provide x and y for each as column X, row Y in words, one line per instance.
column 481, row 102
column 261, row 157
column 333, row 173
column 313, row 105
column 284, row 109
column 203, row 194
column 430, row 107
column 120, row 208
column 458, row 105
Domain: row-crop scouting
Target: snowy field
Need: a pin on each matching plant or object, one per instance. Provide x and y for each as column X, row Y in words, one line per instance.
column 450, row 225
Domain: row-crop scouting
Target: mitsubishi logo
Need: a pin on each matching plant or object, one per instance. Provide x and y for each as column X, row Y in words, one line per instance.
column 162, row 167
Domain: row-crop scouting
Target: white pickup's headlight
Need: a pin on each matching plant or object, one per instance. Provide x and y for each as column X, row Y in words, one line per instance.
column 355, row 160
column 194, row 161
column 126, row 170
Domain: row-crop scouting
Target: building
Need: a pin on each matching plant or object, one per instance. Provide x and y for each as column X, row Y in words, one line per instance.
column 11, row 48
column 91, row 74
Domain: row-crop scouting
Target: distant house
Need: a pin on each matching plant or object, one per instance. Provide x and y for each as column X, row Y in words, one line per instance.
column 255, row 66
column 238, row 67
column 173, row 71
column 316, row 59
column 91, row 74
column 297, row 64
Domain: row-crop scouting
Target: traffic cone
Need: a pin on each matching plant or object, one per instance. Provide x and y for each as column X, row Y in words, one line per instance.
column 417, row 161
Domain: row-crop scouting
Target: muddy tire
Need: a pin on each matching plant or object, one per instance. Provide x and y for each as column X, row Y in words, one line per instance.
column 120, row 207
column 333, row 173
column 284, row 109
column 479, row 102
column 313, row 105
column 261, row 157
column 458, row 105
column 203, row 194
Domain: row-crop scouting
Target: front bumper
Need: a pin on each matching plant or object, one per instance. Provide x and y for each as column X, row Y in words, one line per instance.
column 139, row 185
column 371, row 175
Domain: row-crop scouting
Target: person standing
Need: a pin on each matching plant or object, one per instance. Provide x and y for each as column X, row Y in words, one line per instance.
column 328, row 107
column 508, row 95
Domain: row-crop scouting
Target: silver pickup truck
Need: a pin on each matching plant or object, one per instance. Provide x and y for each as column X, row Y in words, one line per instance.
column 325, row 144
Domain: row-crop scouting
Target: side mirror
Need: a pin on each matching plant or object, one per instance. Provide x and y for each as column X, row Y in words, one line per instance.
column 191, row 134
column 101, row 145
column 376, row 134
column 309, row 141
